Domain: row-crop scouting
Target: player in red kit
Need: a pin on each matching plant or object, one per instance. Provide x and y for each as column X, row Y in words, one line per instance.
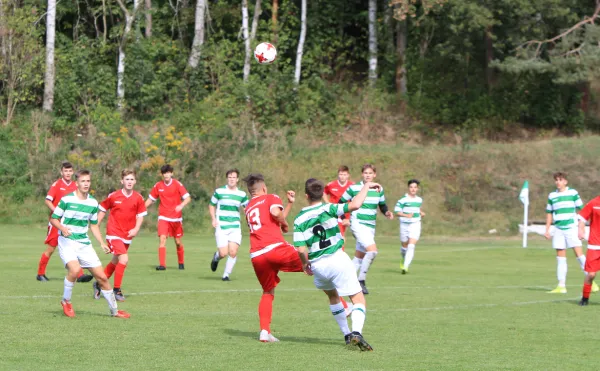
column 170, row 192
column 127, row 211
column 335, row 189
column 590, row 213
column 269, row 251
column 60, row 188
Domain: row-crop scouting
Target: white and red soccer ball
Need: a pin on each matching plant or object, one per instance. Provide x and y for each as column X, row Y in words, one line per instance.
column 265, row 53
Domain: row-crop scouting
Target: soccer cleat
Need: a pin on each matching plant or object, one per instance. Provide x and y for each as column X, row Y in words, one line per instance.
column 363, row 286
column 85, row 278
column 347, row 338
column 181, row 267
column 214, row 263
column 266, row 337
column 401, row 262
column 595, row 287
column 67, row 308
column 97, row 292
column 357, row 339
column 584, row 302
column 558, row 290
column 122, row 314
column 42, row 278
column 119, row 295
column 226, row 278
column 161, row 268
column 404, row 270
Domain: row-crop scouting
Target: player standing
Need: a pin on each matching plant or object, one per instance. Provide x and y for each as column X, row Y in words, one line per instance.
column 269, row 251
column 170, row 192
column 363, row 220
column 127, row 211
column 75, row 214
column 316, row 228
column 408, row 208
column 60, row 188
column 335, row 189
column 590, row 213
column 561, row 211
column 224, row 209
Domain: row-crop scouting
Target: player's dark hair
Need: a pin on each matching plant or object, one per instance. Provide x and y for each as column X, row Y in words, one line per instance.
column 314, row 189
column 252, row 180
column 368, row 166
column 66, row 165
column 343, row 168
column 231, row 171
column 82, row 172
column 413, row 181
column 166, row 169
column 126, row 172
column 559, row 175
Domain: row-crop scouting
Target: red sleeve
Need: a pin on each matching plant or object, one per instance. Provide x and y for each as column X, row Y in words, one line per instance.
column 182, row 190
column 51, row 195
column 141, row 206
column 106, row 204
column 154, row 193
column 327, row 190
column 274, row 201
column 587, row 212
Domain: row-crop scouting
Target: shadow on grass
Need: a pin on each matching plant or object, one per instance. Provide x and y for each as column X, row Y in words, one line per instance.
column 295, row 339
column 79, row 313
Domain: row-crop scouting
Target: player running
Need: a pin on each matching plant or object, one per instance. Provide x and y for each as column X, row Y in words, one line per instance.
column 127, row 211
column 170, row 192
column 316, row 229
column 224, row 209
column 408, row 209
column 362, row 222
column 269, row 251
column 75, row 214
column 335, row 189
column 590, row 213
column 60, row 188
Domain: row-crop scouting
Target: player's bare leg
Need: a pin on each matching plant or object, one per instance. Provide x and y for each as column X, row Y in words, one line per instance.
column 221, row 253
column 107, row 291
column 162, row 253
column 265, row 314
column 368, row 259
column 180, row 252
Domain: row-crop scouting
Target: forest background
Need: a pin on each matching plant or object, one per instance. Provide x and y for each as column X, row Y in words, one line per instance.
column 471, row 97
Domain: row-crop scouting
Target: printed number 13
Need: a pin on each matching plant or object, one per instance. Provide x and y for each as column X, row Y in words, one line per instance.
column 254, row 220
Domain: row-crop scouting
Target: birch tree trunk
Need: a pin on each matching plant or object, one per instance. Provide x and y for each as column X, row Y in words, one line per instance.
column 274, row 16
column 104, row 30
column 257, row 12
column 246, row 39
column 148, row 9
column 198, row 34
column 401, row 57
column 49, row 75
column 300, row 51
column 129, row 19
column 372, row 41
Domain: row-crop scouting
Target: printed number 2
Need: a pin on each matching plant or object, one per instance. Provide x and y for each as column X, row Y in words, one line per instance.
column 254, row 220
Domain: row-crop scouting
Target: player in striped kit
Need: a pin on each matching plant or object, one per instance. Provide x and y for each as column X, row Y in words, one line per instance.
column 75, row 214
column 316, row 231
column 408, row 209
column 335, row 189
column 224, row 209
column 561, row 211
column 363, row 220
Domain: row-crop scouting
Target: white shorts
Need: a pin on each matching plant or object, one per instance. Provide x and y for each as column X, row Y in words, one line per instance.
column 566, row 239
column 336, row 272
column 410, row 231
column 365, row 236
column 224, row 236
column 70, row 250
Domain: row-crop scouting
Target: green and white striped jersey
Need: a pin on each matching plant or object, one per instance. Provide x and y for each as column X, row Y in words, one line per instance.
column 367, row 214
column 77, row 215
column 564, row 206
column 316, row 227
column 228, row 202
column 409, row 205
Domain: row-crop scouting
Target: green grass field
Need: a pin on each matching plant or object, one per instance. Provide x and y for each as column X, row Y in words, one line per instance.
column 465, row 305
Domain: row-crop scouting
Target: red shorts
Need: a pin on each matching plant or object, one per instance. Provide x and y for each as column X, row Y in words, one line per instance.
column 170, row 229
column 52, row 236
column 592, row 261
column 117, row 247
column 282, row 258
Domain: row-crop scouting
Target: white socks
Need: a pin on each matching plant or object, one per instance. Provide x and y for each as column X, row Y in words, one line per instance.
column 340, row 316
column 366, row 263
column 109, row 295
column 68, row 291
column 357, row 263
column 359, row 314
column 229, row 266
column 410, row 254
column 561, row 271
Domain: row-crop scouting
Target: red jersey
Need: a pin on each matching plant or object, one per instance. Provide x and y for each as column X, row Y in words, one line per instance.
column 170, row 196
column 124, row 210
column 59, row 189
column 335, row 191
column 264, row 229
column 591, row 213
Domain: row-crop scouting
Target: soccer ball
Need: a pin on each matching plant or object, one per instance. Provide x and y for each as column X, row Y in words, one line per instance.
column 265, row 53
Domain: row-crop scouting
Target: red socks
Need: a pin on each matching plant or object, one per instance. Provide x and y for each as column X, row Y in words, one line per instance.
column 180, row 254
column 109, row 270
column 265, row 311
column 162, row 256
column 344, row 303
column 80, row 272
column 43, row 263
column 586, row 290
column 119, row 271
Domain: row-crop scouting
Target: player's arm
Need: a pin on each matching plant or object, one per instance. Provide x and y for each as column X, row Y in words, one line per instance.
column 55, row 219
column 383, row 206
column 103, row 209
column 358, row 200
column 212, row 211
column 291, row 196
column 149, row 201
column 548, row 220
column 95, row 228
column 585, row 215
column 185, row 202
column 303, row 254
column 101, row 215
column 49, row 205
column 139, row 220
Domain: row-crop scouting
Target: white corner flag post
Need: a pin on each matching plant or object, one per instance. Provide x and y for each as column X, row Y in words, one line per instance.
column 524, row 197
